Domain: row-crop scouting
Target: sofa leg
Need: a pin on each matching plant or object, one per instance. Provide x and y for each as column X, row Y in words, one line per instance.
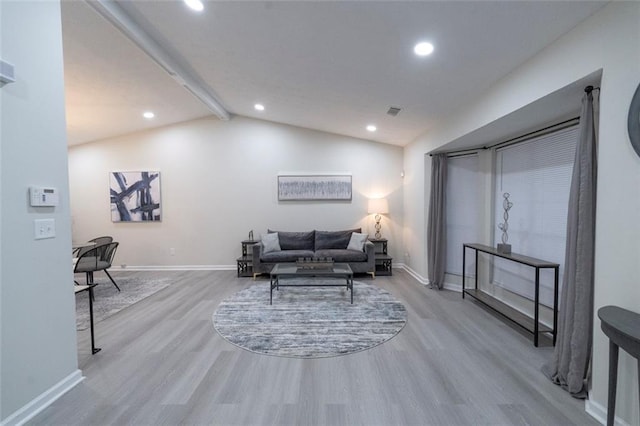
column 255, row 274
column 373, row 275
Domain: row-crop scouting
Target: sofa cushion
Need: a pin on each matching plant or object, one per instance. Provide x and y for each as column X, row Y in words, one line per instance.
column 357, row 241
column 295, row 240
column 333, row 239
column 271, row 242
column 285, row 256
column 343, row 255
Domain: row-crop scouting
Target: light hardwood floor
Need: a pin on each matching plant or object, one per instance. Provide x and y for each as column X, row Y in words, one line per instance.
column 454, row 363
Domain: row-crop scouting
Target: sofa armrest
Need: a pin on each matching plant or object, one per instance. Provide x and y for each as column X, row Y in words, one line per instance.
column 370, row 249
column 258, row 267
column 256, row 250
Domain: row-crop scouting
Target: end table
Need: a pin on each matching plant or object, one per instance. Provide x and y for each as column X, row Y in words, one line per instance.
column 245, row 262
column 384, row 262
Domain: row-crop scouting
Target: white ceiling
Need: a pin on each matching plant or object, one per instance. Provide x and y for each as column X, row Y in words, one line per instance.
column 325, row 65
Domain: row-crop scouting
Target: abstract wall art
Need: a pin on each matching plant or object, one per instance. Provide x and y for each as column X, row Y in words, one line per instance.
column 135, row 196
column 314, row 187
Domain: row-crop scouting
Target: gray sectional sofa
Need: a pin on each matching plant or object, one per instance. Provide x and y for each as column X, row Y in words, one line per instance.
column 290, row 246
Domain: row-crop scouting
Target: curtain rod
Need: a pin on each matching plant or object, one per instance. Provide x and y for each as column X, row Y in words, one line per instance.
column 458, row 153
column 539, row 132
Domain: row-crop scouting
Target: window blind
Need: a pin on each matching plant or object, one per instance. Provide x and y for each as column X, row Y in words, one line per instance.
column 463, row 218
column 537, row 175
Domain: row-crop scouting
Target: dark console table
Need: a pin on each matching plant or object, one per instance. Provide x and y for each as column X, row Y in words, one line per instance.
column 532, row 325
column 622, row 327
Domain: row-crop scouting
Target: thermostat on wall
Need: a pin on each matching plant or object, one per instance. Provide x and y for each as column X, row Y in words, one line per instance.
column 41, row 196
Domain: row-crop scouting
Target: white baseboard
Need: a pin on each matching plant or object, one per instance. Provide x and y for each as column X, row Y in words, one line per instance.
column 599, row 412
column 425, row 281
column 43, row 400
column 422, row 280
column 176, row 268
column 414, row 274
column 452, row 287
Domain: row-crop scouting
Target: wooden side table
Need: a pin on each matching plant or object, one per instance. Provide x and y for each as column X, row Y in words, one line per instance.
column 245, row 262
column 384, row 262
column 622, row 327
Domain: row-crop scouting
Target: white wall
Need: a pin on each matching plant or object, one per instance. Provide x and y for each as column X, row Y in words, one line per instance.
column 608, row 41
column 219, row 181
column 38, row 352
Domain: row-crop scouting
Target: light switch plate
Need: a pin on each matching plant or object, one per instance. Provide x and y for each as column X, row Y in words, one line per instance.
column 44, row 228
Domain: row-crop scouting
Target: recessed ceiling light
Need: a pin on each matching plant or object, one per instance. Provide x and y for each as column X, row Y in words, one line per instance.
column 195, row 5
column 423, row 49
column 148, row 115
column 371, row 128
column 259, row 107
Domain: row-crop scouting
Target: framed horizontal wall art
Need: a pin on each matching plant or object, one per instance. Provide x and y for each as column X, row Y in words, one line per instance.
column 135, row 196
column 314, row 187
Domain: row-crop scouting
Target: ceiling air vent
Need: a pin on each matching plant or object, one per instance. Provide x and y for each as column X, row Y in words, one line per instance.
column 393, row 111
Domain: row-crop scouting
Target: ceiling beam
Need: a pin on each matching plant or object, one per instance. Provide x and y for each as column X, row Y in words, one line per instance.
column 113, row 13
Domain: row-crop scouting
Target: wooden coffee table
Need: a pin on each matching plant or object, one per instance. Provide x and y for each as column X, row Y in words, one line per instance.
column 290, row 270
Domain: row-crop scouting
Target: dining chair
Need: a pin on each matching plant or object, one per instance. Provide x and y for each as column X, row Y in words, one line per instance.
column 97, row 241
column 107, row 257
column 97, row 258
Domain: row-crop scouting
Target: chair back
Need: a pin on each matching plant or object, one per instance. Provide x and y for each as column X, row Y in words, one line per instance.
column 97, row 258
column 102, row 240
column 89, row 259
column 109, row 253
column 98, row 241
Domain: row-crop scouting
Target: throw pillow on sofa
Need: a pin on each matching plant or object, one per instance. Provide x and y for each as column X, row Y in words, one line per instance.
column 357, row 241
column 271, row 242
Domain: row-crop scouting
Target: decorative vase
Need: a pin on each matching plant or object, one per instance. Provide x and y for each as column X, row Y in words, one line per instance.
column 503, row 247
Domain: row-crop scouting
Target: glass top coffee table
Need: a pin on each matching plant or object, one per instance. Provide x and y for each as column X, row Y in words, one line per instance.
column 290, row 270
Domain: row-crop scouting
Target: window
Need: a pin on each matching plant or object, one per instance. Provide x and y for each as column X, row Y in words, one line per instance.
column 463, row 200
column 537, row 175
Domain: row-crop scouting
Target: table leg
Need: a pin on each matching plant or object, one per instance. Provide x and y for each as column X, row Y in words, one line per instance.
column 464, row 264
column 613, row 382
column 351, row 280
column 271, row 291
column 477, row 251
column 536, row 309
column 94, row 350
column 555, row 304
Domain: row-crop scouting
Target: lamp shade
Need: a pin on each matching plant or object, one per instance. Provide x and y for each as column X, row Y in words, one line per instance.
column 378, row 205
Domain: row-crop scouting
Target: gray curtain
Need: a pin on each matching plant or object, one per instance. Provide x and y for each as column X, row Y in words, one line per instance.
column 436, row 225
column 570, row 364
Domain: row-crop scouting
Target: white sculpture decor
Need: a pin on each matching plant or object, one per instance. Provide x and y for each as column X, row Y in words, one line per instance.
column 505, row 248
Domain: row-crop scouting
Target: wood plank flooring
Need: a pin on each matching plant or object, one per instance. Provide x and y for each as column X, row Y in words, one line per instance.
column 454, row 363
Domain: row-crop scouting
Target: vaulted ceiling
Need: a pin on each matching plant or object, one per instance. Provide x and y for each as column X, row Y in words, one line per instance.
column 334, row 66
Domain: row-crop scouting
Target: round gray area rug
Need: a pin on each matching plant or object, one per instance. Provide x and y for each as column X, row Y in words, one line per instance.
column 309, row 322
